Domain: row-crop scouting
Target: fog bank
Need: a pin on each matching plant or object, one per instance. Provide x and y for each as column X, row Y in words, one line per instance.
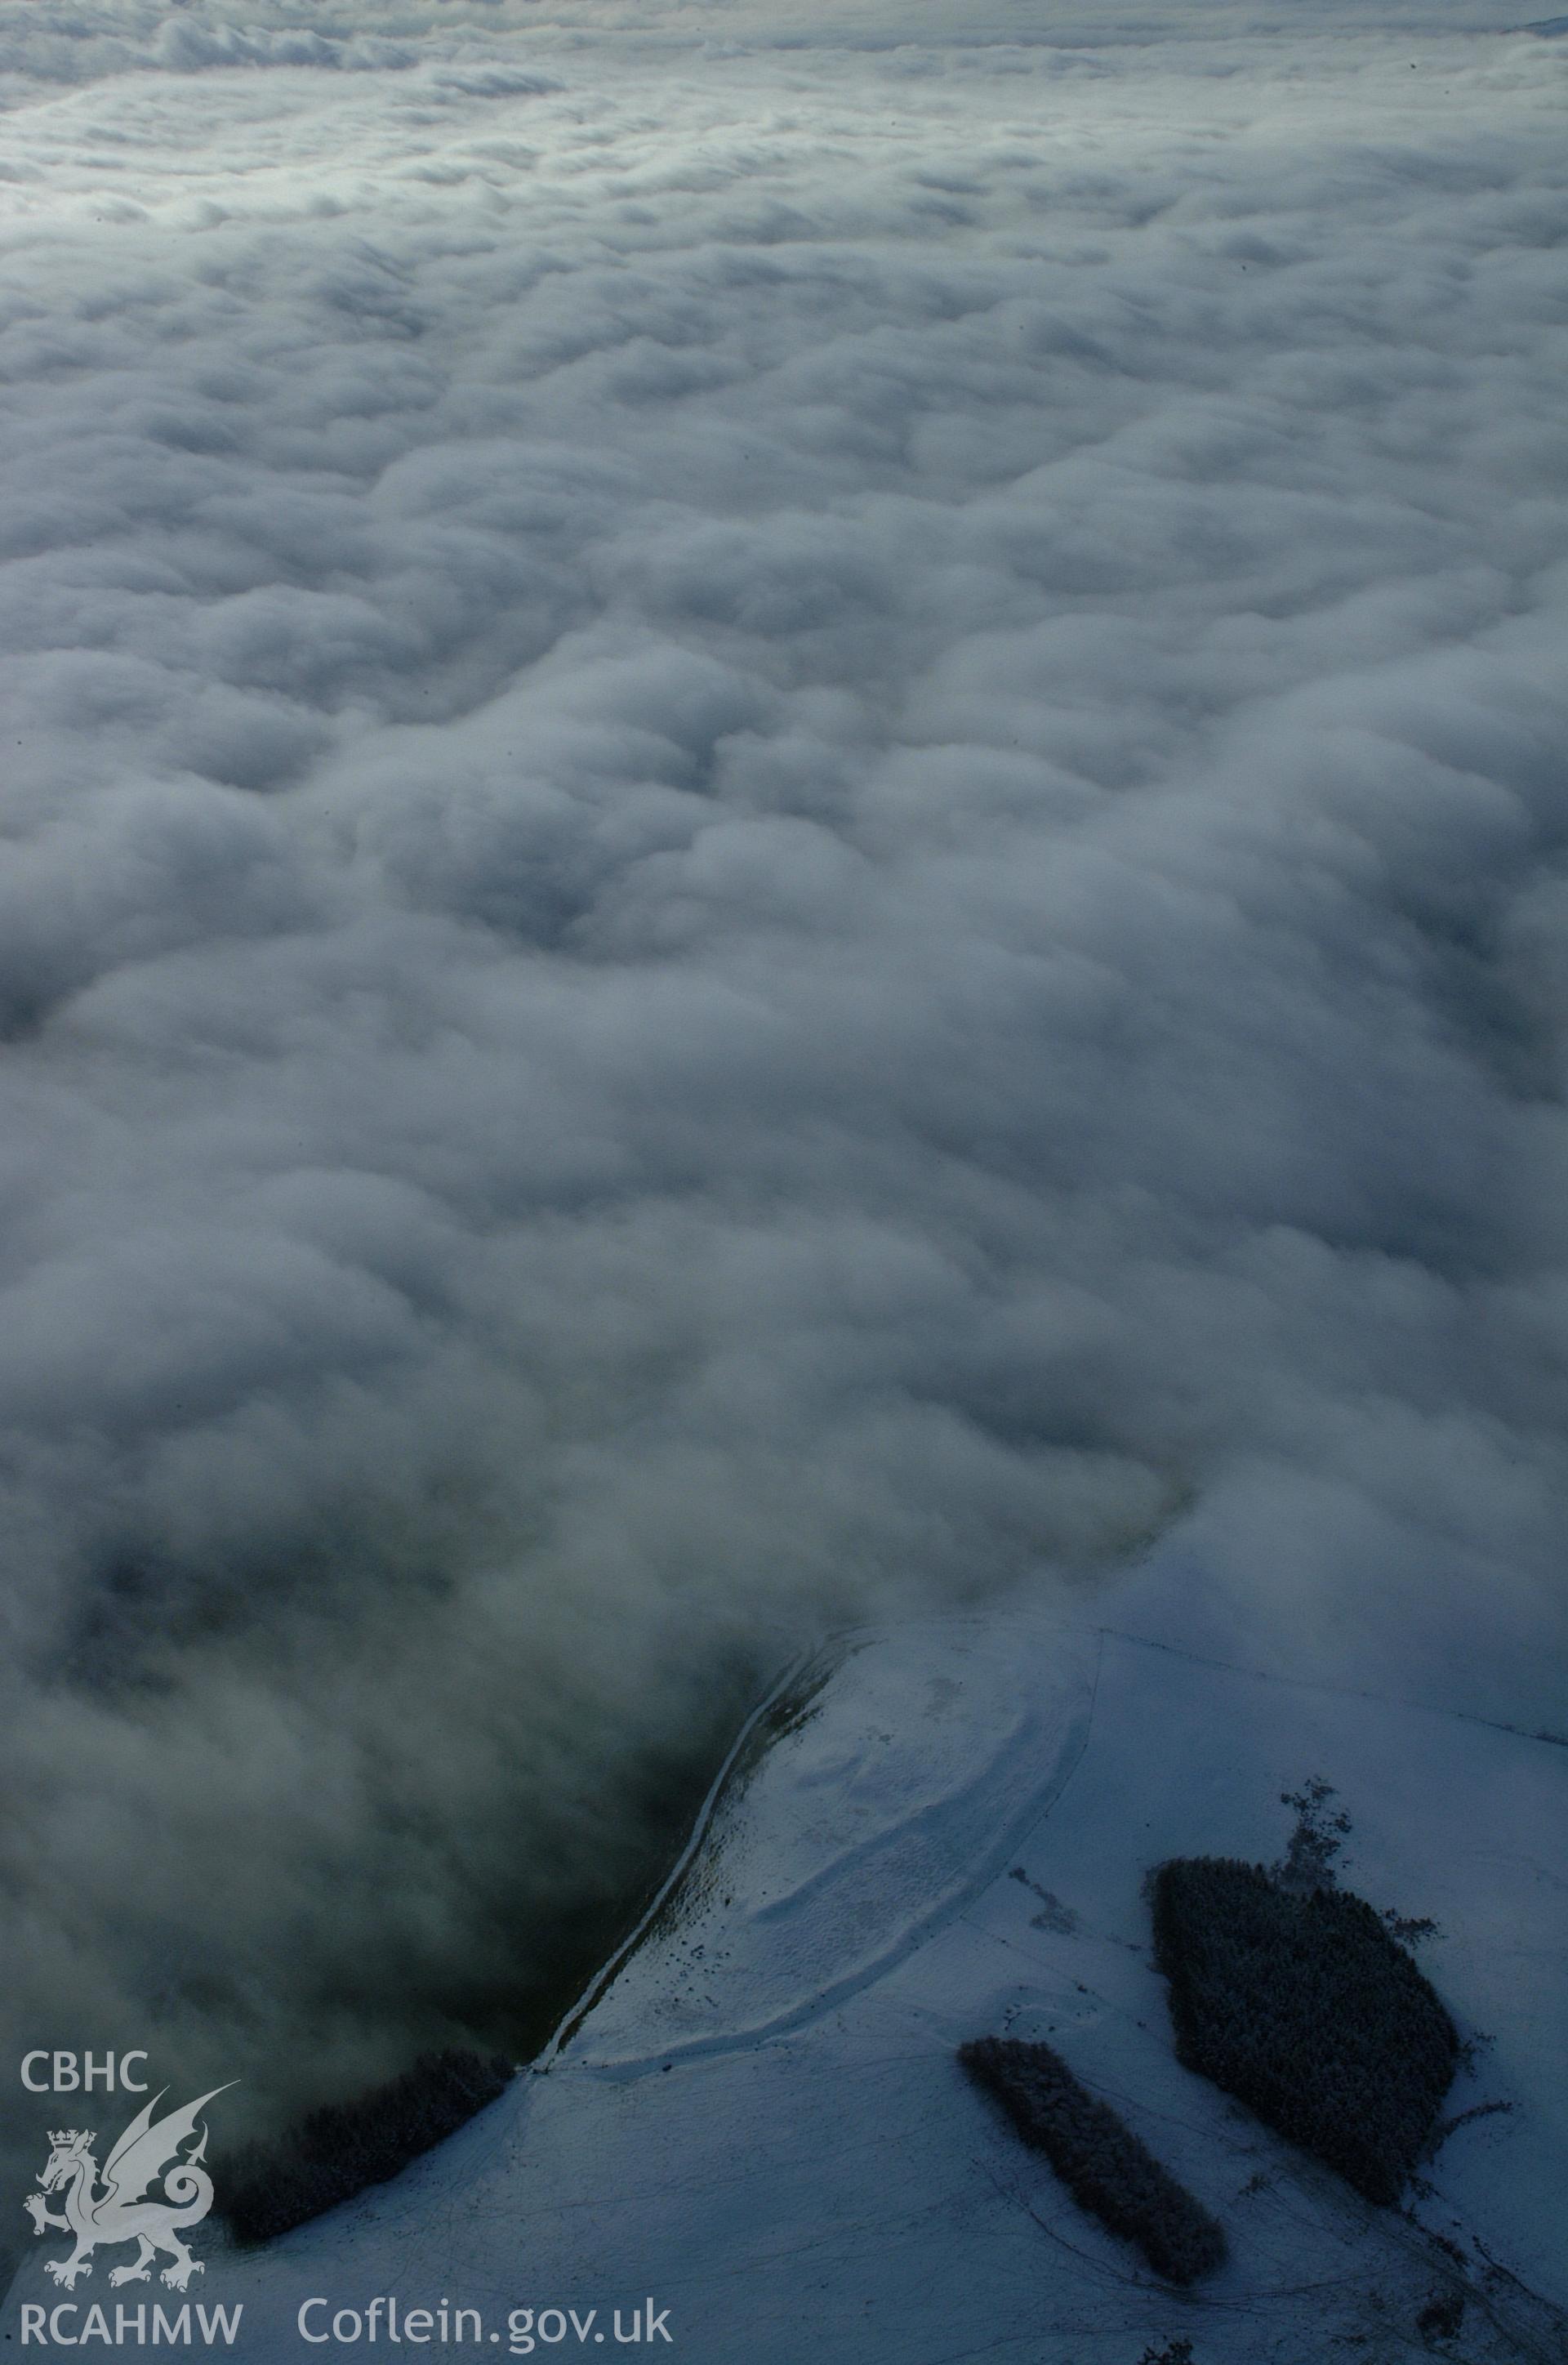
column 784, row 831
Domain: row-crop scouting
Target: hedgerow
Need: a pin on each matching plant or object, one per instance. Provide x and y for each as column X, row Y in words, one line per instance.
column 1105, row 2166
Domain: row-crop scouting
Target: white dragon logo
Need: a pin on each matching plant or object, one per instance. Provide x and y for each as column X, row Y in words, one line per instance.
column 146, row 2152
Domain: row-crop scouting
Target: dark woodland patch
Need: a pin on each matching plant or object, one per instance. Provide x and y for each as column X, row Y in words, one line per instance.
column 1302, row 2004
column 1105, row 2166
column 1442, row 2316
column 340, row 2148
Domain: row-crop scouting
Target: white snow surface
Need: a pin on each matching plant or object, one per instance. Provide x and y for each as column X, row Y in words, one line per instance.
column 760, row 2122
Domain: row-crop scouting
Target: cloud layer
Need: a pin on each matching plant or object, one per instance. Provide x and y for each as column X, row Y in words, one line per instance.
column 784, row 825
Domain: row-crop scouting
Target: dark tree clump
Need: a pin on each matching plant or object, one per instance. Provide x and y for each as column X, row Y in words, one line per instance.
column 340, row 2148
column 1441, row 2317
column 1105, row 2166
column 1303, row 2006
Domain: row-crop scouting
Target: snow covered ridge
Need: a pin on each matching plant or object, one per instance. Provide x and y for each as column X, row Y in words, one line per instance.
column 1132, row 1755
column 762, row 2120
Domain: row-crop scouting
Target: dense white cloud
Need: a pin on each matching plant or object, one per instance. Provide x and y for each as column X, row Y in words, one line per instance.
column 784, row 819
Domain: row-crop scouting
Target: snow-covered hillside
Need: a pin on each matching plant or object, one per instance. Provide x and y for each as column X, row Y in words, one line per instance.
column 943, row 1830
